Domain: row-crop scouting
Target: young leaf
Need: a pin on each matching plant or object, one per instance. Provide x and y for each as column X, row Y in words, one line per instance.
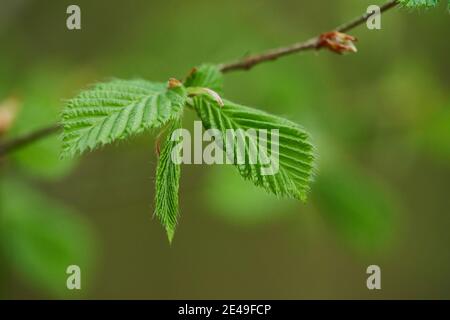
column 115, row 110
column 295, row 153
column 206, row 76
column 419, row 3
column 167, row 185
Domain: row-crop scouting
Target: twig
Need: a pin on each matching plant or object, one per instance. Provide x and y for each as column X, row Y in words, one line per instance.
column 24, row 140
column 360, row 20
column 313, row 43
column 244, row 64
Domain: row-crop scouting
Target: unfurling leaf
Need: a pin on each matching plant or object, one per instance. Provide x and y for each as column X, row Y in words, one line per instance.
column 206, row 76
column 116, row 110
column 295, row 153
column 167, row 185
column 197, row 91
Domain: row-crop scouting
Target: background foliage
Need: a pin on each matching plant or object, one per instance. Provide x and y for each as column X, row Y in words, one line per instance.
column 380, row 120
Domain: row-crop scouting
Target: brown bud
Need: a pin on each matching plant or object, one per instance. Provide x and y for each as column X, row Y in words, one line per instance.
column 174, row 83
column 337, row 42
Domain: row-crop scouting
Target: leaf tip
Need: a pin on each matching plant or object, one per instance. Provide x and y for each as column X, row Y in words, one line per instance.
column 170, row 234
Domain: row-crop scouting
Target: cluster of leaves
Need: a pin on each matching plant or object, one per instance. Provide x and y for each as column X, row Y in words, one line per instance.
column 119, row 109
column 420, row 3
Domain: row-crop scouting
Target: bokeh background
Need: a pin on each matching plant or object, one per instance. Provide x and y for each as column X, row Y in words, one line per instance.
column 380, row 120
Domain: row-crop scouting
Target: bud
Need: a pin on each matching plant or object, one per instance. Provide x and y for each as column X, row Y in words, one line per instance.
column 174, row 83
column 337, row 42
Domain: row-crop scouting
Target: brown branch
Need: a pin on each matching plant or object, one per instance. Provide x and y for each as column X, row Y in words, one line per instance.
column 311, row 44
column 360, row 20
column 244, row 64
column 22, row 141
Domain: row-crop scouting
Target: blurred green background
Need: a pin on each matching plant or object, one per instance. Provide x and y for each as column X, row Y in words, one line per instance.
column 380, row 120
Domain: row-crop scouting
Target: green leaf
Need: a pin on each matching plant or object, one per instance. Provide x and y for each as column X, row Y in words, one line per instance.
column 206, row 76
column 295, row 152
column 419, row 3
column 116, row 110
column 43, row 237
column 167, row 185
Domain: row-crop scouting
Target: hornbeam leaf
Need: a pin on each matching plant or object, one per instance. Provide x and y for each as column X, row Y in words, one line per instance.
column 419, row 3
column 295, row 152
column 116, row 110
column 206, row 76
column 167, row 185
